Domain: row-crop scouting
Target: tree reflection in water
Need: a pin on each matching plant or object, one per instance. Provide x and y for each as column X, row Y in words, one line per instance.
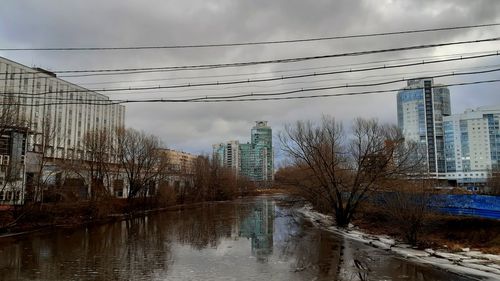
column 251, row 239
column 118, row 251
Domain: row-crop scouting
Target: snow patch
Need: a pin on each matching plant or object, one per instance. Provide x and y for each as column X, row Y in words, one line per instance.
column 388, row 241
column 467, row 262
column 380, row 245
column 409, row 253
column 449, row 256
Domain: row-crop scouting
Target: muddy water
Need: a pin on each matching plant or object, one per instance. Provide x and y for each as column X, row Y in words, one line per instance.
column 251, row 239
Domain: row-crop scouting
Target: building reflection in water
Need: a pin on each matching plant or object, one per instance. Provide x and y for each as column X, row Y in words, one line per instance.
column 258, row 226
column 207, row 243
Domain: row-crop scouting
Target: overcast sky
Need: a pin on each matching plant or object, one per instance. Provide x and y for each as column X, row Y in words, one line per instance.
column 195, row 127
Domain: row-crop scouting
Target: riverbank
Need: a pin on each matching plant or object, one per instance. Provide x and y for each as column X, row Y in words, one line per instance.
column 31, row 218
column 467, row 262
column 250, row 238
column 453, row 233
column 65, row 215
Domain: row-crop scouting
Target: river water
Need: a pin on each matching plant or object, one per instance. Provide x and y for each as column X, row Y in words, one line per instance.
column 261, row 238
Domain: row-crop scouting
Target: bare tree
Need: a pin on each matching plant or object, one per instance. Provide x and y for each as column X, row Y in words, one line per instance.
column 343, row 170
column 493, row 182
column 44, row 149
column 141, row 160
column 13, row 127
column 98, row 147
column 408, row 206
column 214, row 182
column 12, row 121
column 201, row 188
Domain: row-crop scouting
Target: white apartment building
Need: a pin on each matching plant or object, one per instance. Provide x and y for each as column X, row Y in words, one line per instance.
column 228, row 154
column 47, row 103
column 56, row 114
column 472, row 145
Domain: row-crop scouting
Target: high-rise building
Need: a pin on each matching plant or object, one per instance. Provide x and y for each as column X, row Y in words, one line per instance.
column 472, row 145
column 421, row 107
column 48, row 105
column 253, row 160
column 247, row 161
column 262, row 147
column 228, row 154
column 53, row 115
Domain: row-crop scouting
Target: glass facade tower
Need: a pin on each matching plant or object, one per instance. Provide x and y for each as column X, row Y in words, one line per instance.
column 254, row 160
column 421, row 107
column 262, row 146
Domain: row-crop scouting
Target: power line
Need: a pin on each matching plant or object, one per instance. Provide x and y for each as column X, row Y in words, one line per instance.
column 287, row 60
column 368, row 78
column 349, row 85
column 268, row 72
column 414, row 74
column 333, row 95
column 238, row 97
column 111, row 102
column 406, row 74
column 279, row 71
column 260, row 80
column 96, row 72
column 253, row 43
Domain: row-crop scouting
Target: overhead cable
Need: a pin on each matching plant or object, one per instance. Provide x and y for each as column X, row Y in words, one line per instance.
column 286, row 60
column 237, row 97
column 198, row 100
column 279, row 78
column 212, row 45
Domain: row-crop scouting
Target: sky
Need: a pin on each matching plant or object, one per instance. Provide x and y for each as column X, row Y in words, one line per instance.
column 194, row 127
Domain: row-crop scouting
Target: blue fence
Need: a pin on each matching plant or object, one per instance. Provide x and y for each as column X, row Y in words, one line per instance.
column 483, row 206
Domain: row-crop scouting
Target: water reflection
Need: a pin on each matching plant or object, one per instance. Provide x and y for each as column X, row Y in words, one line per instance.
column 258, row 226
column 119, row 251
column 256, row 239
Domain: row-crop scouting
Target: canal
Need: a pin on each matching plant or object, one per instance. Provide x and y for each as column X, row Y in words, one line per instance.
column 262, row 238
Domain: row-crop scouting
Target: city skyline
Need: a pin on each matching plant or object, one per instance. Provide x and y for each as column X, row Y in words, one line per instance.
column 253, row 159
column 194, row 127
column 250, row 140
column 460, row 148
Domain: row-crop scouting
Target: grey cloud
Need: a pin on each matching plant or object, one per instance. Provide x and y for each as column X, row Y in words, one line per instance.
column 194, row 127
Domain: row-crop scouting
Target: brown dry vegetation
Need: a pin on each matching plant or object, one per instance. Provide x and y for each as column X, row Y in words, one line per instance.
column 212, row 183
column 434, row 230
column 30, row 217
column 336, row 170
column 439, row 230
column 65, row 214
